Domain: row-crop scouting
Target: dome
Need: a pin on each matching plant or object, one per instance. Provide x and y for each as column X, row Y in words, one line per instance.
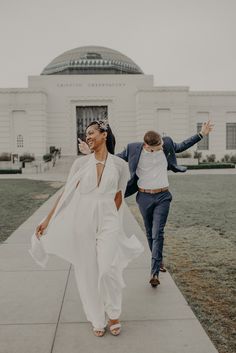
column 91, row 60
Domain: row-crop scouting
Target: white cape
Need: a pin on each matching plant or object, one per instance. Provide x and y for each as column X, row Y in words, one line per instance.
column 58, row 238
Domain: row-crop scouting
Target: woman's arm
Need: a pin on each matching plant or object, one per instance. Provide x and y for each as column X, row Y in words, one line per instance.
column 42, row 226
column 54, row 207
column 124, row 176
column 118, row 199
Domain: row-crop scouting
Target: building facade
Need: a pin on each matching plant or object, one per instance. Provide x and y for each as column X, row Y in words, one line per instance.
column 91, row 83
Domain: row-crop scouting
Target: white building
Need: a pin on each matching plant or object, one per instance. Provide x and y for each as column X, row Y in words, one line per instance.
column 89, row 83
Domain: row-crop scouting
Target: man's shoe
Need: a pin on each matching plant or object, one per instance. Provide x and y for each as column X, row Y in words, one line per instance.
column 162, row 268
column 154, row 281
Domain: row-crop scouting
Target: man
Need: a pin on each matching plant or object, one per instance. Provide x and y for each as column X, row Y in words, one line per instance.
column 148, row 164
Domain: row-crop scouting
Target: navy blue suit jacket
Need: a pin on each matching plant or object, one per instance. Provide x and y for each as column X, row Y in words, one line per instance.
column 132, row 152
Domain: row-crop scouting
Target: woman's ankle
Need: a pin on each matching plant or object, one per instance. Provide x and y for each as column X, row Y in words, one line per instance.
column 114, row 321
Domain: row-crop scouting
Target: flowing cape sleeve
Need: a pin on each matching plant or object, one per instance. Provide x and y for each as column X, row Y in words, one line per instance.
column 37, row 250
column 74, row 176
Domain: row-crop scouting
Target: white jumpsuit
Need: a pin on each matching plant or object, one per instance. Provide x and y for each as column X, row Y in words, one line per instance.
column 87, row 230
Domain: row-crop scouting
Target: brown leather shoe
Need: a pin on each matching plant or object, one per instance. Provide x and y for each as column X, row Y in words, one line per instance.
column 154, row 281
column 162, row 268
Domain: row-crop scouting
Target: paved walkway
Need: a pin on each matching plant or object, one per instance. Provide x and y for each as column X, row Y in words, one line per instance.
column 60, row 172
column 40, row 310
column 57, row 173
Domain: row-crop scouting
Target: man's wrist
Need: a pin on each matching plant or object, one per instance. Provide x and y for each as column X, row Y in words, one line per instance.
column 200, row 134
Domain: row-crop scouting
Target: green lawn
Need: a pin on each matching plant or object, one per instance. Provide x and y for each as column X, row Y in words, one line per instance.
column 19, row 200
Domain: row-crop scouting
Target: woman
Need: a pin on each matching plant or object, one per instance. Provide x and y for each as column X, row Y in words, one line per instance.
column 85, row 228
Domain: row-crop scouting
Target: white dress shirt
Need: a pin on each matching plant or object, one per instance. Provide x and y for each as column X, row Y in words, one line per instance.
column 152, row 170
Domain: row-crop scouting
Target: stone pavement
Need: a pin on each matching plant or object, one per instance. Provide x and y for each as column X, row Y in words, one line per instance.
column 40, row 309
column 57, row 173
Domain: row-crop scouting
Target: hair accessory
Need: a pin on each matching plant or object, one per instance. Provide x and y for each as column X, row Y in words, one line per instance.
column 103, row 124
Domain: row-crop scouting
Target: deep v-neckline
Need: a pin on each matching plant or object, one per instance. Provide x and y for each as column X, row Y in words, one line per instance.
column 99, row 177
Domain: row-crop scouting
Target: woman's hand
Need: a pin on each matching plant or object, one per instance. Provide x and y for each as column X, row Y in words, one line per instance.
column 41, row 228
column 83, row 147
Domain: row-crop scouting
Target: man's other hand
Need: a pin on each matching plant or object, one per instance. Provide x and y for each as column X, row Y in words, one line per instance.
column 206, row 128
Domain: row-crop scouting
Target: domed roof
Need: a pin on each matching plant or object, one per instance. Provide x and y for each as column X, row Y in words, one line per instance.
column 91, row 60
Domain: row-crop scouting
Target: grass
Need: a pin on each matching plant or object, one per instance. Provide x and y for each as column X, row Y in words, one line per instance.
column 19, row 200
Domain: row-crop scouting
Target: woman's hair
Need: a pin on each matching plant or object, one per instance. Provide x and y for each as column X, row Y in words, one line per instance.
column 105, row 127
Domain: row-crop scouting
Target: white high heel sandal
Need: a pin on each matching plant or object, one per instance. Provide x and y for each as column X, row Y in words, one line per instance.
column 99, row 332
column 115, row 329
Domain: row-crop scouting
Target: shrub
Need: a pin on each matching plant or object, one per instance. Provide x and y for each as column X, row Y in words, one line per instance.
column 184, row 155
column 47, row 157
column 197, row 155
column 233, row 158
column 52, row 149
column 55, row 151
column 6, row 157
column 211, row 158
column 27, row 157
column 226, row 158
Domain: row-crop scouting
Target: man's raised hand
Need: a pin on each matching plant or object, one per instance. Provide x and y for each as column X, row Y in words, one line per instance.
column 206, row 128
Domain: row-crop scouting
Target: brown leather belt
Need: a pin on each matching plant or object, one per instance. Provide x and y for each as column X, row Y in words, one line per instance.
column 153, row 191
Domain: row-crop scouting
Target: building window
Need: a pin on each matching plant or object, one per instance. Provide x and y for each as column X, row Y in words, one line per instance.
column 20, row 141
column 162, row 123
column 204, row 143
column 231, row 136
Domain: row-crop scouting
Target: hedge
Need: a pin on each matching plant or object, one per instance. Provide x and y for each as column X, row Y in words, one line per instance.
column 211, row 166
column 10, row 171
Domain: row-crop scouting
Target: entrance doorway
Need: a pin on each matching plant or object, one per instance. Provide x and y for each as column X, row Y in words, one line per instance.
column 85, row 115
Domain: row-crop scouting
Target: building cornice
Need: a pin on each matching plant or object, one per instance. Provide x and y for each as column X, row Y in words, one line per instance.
column 186, row 89
column 21, row 91
column 90, row 98
column 165, row 89
column 212, row 93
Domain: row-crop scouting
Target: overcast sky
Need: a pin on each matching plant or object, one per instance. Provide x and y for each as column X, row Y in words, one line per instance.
column 181, row 42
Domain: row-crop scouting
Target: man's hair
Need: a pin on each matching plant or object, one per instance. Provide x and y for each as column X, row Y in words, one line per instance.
column 152, row 138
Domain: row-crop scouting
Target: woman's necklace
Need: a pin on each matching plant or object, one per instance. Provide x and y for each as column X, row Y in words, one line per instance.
column 104, row 164
column 97, row 161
